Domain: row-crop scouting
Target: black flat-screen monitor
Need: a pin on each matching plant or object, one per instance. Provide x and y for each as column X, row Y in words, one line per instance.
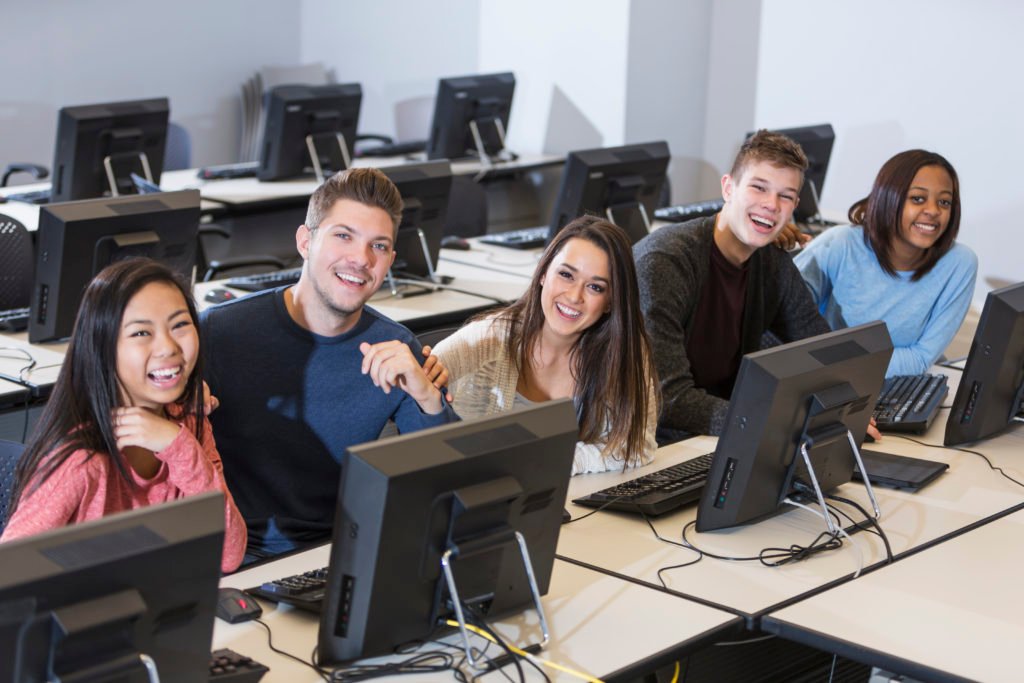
column 76, row 240
column 425, row 189
column 991, row 390
column 816, row 141
column 83, row 602
column 471, row 116
column 309, row 130
column 621, row 184
column 404, row 501
column 97, row 143
column 818, row 391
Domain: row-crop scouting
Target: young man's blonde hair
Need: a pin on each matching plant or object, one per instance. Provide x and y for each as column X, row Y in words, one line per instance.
column 368, row 186
column 775, row 148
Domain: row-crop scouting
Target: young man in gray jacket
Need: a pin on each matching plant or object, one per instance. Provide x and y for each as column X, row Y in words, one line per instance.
column 711, row 287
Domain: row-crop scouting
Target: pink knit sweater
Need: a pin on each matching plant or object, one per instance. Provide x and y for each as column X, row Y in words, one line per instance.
column 85, row 488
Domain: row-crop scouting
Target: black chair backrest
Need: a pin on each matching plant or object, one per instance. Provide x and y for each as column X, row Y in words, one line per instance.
column 10, row 453
column 431, row 337
column 16, row 264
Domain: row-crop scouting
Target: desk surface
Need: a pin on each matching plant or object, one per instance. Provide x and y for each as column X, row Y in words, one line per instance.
column 623, row 543
column 954, row 610
column 599, row 624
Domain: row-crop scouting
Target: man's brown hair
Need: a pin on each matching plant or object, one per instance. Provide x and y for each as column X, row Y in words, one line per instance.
column 368, row 186
column 775, row 148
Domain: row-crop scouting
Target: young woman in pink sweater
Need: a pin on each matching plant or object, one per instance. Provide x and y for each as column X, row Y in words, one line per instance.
column 125, row 426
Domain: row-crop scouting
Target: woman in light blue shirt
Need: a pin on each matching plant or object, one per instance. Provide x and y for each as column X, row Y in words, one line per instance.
column 899, row 261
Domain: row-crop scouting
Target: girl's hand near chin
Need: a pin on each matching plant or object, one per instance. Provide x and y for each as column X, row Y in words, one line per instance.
column 134, row 426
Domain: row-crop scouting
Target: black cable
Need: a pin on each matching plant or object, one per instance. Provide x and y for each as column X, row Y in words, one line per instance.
column 963, row 450
column 417, row 664
column 481, row 623
column 869, row 519
column 595, row 510
column 300, row 660
column 775, row 557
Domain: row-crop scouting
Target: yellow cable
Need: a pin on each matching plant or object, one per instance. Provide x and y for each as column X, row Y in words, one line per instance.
column 675, row 674
column 522, row 653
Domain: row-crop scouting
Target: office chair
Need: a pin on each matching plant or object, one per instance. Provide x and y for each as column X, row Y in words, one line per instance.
column 35, row 170
column 432, row 337
column 211, row 270
column 178, row 149
column 10, row 454
column 16, row 264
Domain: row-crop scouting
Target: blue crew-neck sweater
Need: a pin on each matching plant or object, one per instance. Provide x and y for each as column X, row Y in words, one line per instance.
column 291, row 403
column 851, row 288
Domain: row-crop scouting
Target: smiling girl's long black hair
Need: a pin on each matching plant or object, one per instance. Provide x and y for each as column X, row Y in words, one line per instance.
column 79, row 413
column 610, row 362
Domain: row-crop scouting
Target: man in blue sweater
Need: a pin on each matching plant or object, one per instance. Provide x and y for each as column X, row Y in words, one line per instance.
column 304, row 372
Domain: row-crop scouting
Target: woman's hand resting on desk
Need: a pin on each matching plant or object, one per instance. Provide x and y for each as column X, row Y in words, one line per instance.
column 873, row 432
column 791, row 237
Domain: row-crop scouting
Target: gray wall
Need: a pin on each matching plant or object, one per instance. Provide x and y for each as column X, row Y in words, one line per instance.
column 197, row 53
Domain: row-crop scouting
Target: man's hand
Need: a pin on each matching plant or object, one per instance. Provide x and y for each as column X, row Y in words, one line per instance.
column 791, row 237
column 391, row 364
column 134, row 426
column 436, row 371
column 873, row 430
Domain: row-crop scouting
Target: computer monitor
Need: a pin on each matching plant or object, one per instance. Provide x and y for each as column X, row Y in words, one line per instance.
column 991, row 390
column 620, row 183
column 76, row 240
column 404, row 501
column 99, row 146
column 425, row 189
column 83, row 602
column 816, row 141
column 309, row 130
column 471, row 116
column 818, row 392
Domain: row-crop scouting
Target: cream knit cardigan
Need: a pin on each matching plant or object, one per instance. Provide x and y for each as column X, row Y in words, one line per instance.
column 483, row 380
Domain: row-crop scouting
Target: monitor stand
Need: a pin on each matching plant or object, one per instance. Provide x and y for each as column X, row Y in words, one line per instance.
column 475, row 503
column 488, row 160
column 314, row 156
column 823, row 429
column 112, row 176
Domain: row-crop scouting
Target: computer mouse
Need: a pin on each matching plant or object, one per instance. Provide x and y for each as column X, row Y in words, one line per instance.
column 453, row 242
column 235, row 606
column 219, row 295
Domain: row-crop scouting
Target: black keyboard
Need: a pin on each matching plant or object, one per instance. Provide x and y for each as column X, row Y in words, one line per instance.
column 245, row 169
column 395, row 149
column 32, row 197
column 305, row 591
column 526, row 238
column 655, row 493
column 261, row 281
column 14, row 320
column 227, row 666
column 909, row 403
column 685, row 212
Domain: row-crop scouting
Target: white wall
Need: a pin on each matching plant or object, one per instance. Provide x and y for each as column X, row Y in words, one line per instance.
column 938, row 74
column 195, row 52
column 397, row 49
column 667, row 82
column 569, row 57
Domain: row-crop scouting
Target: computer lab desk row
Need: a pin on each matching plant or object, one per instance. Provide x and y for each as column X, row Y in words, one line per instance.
column 225, row 197
column 949, row 606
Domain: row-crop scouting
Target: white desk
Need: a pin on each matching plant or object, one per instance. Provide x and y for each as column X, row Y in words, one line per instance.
column 599, row 625
column 248, row 190
column 623, row 544
column 518, row 263
column 954, row 610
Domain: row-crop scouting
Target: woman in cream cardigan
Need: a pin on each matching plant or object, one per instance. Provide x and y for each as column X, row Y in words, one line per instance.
column 576, row 332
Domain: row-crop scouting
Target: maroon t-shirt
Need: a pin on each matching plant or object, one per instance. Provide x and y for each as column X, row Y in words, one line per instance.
column 714, row 346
